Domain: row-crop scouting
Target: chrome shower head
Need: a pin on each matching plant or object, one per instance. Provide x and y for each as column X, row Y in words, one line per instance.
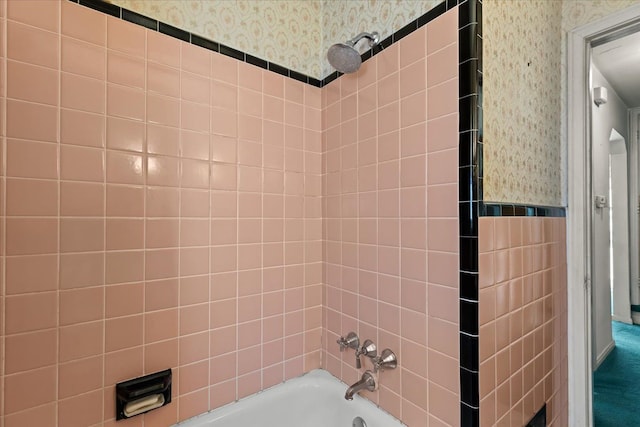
column 345, row 58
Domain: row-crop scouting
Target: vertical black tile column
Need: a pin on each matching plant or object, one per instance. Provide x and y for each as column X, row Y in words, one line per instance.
column 470, row 197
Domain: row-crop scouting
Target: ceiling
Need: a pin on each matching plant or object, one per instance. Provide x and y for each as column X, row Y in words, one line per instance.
column 619, row 63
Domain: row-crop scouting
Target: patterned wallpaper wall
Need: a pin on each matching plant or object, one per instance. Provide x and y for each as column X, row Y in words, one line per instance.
column 293, row 33
column 286, row 32
column 524, row 95
column 343, row 19
column 521, row 102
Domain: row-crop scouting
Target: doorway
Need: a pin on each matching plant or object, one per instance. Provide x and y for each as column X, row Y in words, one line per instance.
column 584, row 239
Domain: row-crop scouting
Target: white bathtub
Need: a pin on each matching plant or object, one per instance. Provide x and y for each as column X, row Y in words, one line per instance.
column 315, row 399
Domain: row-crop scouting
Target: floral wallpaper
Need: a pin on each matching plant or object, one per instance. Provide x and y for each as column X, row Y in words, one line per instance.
column 293, row 33
column 524, row 83
column 521, row 102
column 344, row 19
column 286, row 32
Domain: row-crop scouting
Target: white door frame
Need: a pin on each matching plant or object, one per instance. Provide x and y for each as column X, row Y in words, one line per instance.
column 579, row 211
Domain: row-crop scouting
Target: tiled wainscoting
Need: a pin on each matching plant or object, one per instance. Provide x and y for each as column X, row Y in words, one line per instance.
column 523, row 320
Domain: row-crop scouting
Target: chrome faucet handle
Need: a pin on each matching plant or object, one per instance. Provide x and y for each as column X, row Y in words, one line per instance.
column 350, row 341
column 368, row 349
column 386, row 360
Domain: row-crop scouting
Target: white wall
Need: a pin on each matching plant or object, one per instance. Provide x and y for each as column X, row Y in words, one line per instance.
column 612, row 115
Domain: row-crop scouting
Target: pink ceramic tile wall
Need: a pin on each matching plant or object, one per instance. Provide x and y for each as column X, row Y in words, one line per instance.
column 523, row 320
column 391, row 221
column 163, row 210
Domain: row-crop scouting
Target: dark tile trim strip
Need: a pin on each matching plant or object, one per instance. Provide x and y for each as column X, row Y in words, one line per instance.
column 469, row 198
column 505, row 209
column 152, row 24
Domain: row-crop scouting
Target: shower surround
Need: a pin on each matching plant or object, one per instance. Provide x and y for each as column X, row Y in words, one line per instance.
column 162, row 207
column 390, row 152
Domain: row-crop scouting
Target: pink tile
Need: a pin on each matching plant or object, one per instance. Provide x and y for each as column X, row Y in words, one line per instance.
column 125, row 37
column 82, row 93
column 91, row 405
column 413, row 109
column 163, row 110
column 163, row 171
column 124, row 168
column 123, row 365
column 83, row 58
column 161, row 264
column 31, row 83
column 125, row 200
column 442, row 31
column 81, row 305
column 81, row 128
column 30, row 351
column 42, row 308
column 163, row 80
column 194, row 348
column 80, row 341
column 442, row 99
column 125, row 102
column 224, row 122
column 29, row 389
column 32, row 45
column 44, row 416
column 161, row 325
column 79, row 376
column 31, row 159
column 31, row 274
column 161, row 294
column 413, row 78
column 27, row 236
column 80, row 270
column 81, row 199
column 160, row 355
column 195, row 88
column 125, row 134
column 194, row 261
column 442, row 133
column 442, row 65
column 439, row 167
column 82, row 163
column 41, row 14
column 413, row 47
column 21, row 116
column 194, row 145
column 31, row 197
column 224, row 68
column 195, row 59
column 81, row 234
column 162, row 202
column 162, row 233
column 123, row 332
column 83, row 23
column 125, row 266
column 163, row 49
column 124, row 300
column 194, row 116
column 125, row 70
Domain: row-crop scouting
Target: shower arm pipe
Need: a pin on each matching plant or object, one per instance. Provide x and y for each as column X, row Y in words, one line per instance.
column 373, row 38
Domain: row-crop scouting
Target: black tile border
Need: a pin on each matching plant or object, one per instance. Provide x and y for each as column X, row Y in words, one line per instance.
column 507, row 209
column 152, row 24
column 469, row 198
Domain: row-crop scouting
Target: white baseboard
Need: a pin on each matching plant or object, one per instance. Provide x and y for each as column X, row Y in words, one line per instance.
column 626, row 320
column 635, row 316
column 604, row 353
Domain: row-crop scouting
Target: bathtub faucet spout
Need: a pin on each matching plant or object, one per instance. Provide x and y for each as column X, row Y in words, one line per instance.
column 366, row 382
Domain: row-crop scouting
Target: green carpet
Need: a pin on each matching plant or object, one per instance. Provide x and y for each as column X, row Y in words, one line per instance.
column 616, row 383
